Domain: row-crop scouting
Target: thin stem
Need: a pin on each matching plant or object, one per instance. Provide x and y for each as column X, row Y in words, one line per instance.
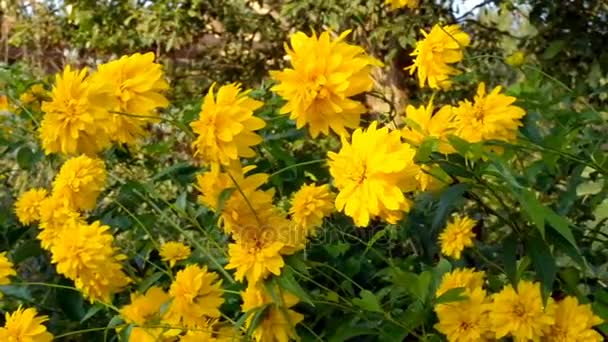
column 310, row 162
column 78, row 332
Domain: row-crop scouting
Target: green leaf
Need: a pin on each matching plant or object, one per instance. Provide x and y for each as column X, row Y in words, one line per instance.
column 152, row 279
column 509, row 258
column 452, row 295
column 346, row 332
column 425, row 149
column 91, row 312
column 368, row 301
column 554, row 48
column 450, row 198
column 71, row 303
column 25, row 157
column 288, row 282
column 534, row 209
column 561, row 225
column 25, row 250
column 543, row 262
column 16, row 291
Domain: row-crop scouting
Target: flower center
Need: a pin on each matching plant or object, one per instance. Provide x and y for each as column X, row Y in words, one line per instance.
column 519, row 310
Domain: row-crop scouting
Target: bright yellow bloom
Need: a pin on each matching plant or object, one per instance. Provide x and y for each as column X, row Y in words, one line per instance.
column 467, row 278
column 573, row 323
column 439, row 48
column 279, row 321
column 422, row 124
column 138, row 84
column 173, row 252
column 465, row 320
column 197, row 296
column 372, row 173
column 489, row 117
column 226, row 125
column 457, row 236
column 325, row 74
column 87, row 256
column 79, row 182
column 310, row 205
column 396, row 4
column 145, row 309
column 517, row 59
column 198, row 335
column 34, row 96
column 27, row 206
column 520, row 314
column 6, row 270
column 25, row 326
column 75, row 120
column 255, row 262
column 55, row 216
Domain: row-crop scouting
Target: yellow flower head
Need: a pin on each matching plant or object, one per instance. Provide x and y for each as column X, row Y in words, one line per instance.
column 87, row 256
column 145, row 309
column 434, row 54
column 75, row 120
column 33, row 96
column 138, row 84
column 325, row 74
column 520, row 314
column 55, row 216
column 173, row 252
column 517, row 59
column 465, row 320
column 27, row 206
column 573, row 322
column 456, row 236
column 197, row 296
column 489, row 117
column 255, row 261
column 6, row 270
column 79, row 182
column 371, row 174
column 422, row 124
column 467, row 278
column 310, row 205
column 396, row 4
column 226, row 126
column 279, row 321
column 25, row 325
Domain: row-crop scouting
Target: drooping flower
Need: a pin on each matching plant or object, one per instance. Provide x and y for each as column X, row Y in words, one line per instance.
column 573, row 323
column 76, row 119
column 371, row 174
column 145, row 309
column 520, row 314
column 465, row 320
column 24, row 325
column 27, row 206
column 310, row 204
column 197, row 296
column 138, row 83
column 87, row 256
column 489, row 117
column 226, row 125
column 6, row 270
column 325, row 74
column 396, row 4
column 467, row 278
column 441, row 47
column 457, row 236
column 173, row 252
column 55, row 216
column 422, row 124
column 79, row 182
column 278, row 321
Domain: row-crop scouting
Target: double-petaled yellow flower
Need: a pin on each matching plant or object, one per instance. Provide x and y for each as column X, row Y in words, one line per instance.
column 27, row 206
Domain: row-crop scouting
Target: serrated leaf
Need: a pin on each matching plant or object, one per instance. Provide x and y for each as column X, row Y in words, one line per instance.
column 368, row 301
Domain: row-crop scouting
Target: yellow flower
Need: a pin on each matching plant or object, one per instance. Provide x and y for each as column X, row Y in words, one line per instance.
column 226, row 126
column 439, row 48
column 520, row 313
column 27, row 206
column 465, row 320
column 255, row 261
column 3, row 103
column 310, row 205
column 33, row 96
column 489, row 117
column 86, row 256
column 573, row 323
column 371, row 174
column 456, row 236
column 79, row 182
column 75, row 120
column 54, row 217
column 396, row 4
column 517, row 59
column 325, row 74
column 173, row 252
column 145, row 309
column 25, row 326
column 138, row 84
column 422, row 124
column 279, row 320
column 467, row 278
column 197, row 296
column 6, row 270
